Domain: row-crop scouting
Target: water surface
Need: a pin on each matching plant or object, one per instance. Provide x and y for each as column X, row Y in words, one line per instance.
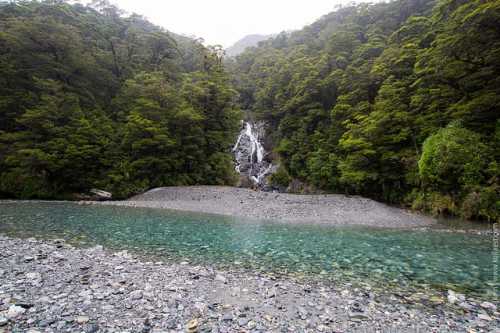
column 434, row 259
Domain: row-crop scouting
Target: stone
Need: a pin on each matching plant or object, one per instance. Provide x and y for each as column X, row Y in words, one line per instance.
column 3, row 321
column 100, row 194
column 136, row 294
column 484, row 316
column 82, row 319
column 466, row 306
column 220, row 278
column 24, row 304
column 227, row 316
column 271, row 293
column 171, row 324
column 28, row 258
column 355, row 316
column 15, row 311
column 91, row 328
column 34, row 276
column 243, row 322
column 489, row 306
column 454, row 297
column 251, row 325
column 192, row 326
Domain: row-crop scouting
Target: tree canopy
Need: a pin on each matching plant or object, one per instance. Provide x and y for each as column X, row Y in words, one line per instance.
column 361, row 102
column 90, row 97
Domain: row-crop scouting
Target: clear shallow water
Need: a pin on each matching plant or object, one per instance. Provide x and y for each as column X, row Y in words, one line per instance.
column 401, row 257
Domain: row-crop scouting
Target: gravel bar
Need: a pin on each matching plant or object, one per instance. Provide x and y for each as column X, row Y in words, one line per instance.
column 331, row 209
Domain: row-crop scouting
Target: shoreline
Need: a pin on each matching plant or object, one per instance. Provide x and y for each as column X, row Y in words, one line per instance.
column 52, row 286
column 324, row 209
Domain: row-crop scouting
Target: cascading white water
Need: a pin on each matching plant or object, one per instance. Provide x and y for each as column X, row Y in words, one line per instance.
column 249, row 154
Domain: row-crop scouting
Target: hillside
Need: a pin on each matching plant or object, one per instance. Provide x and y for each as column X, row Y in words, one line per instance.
column 92, row 98
column 247, row 41
column 396, row 101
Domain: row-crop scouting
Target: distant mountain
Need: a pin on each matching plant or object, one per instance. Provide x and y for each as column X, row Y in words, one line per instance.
column 247, row 41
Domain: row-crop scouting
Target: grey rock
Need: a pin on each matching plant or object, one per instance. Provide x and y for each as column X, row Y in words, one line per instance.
column 15, row 311
column 243, row 321
column 33, row 276
column 82, row 319
column 228, row 316
column 91, row 328
column 3, row 321
column 489, row 306
column 136, row 294
column 358, row 316
column 484, row 316
column 220, row 278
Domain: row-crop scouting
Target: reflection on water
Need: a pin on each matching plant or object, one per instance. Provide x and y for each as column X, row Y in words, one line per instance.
column 402, row 257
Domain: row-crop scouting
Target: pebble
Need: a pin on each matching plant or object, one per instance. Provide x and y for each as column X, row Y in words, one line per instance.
column 92, row 328
column 136, row 294
column 192, row 326
column 353, row 315
column 34, row 276
column 220, row 278
column 489, row 306
column 243, row 322
column 483, row 316
column 199, row 299
column 82, row 319
column 227, row 317
column 15, row 311
column 454, row 297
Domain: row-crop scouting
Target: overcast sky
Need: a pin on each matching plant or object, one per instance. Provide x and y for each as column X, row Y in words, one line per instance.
column 226, row 21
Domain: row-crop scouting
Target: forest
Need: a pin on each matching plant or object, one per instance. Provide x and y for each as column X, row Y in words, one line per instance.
column 395, row 101
column 90, row 97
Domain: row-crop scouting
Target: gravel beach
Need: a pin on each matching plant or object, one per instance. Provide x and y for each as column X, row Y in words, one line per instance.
column 50, row 286
column 292, row 208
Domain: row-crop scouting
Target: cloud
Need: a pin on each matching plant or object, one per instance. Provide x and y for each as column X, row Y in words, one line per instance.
column 226, row 21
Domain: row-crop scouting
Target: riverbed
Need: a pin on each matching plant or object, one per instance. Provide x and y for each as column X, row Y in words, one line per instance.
column 51, row 286
column 67, row 266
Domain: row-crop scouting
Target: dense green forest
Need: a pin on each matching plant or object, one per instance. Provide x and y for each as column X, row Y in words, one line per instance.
column 90, row 97
column 397, row 101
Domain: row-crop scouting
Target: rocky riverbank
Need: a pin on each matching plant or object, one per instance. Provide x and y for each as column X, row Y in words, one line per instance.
column 50, row 286
column 330, row 209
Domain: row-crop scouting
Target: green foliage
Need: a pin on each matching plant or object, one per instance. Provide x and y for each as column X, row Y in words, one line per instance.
column 352, row 98
column 91, row 98
column 281, row 178
column 452, row 159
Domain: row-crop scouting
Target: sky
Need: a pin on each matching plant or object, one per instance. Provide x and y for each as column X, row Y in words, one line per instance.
column 226, row 21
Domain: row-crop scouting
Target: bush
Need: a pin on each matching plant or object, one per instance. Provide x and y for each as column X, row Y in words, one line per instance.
column 483, row 204
column 436, row 203
column 452, row 158
column 280, row 178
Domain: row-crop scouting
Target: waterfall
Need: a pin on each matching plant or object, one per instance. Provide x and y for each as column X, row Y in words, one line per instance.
column 249, row 154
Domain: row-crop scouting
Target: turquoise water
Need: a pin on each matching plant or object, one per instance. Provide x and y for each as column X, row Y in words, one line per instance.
column 381, row 256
